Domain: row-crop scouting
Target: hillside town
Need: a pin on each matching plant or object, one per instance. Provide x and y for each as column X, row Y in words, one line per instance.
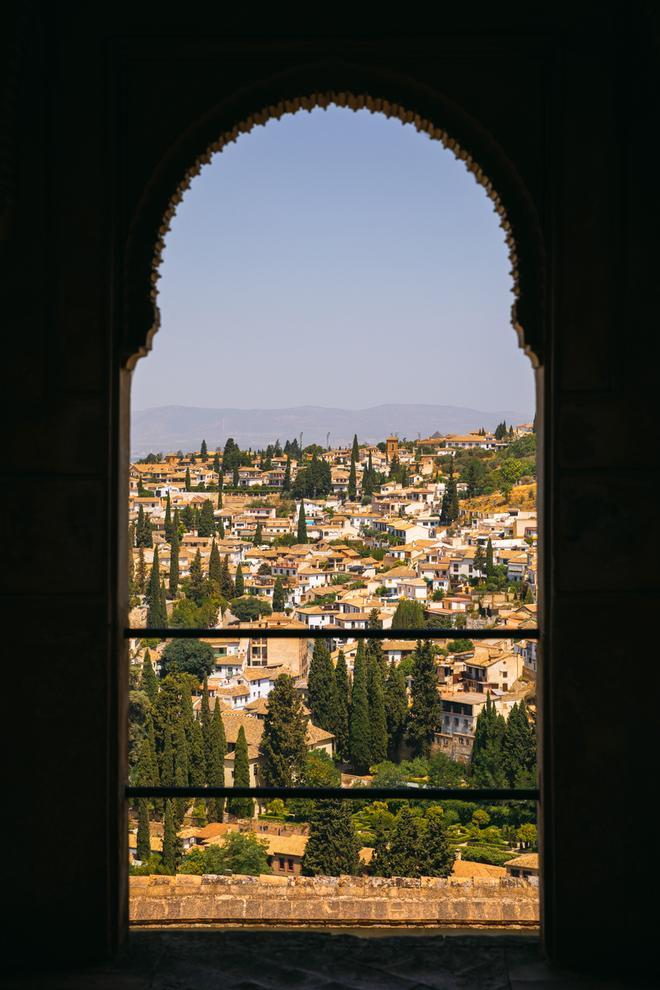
column 437, row 533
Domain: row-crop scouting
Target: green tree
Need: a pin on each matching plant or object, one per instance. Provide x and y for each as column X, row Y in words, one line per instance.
column 438, row 850
column 215, row 570
column 187, row 656
column 399, row 852
column 342, row 695
column 204, row 451
column 425, row 715
column 286, row 484
column 352, row 481
column 377, row 716
column 168, row 519
column 332, row 847
column 148, row 681
column 141, row 573
column 519, row 748
column 174, row 558
column 206, row 519
column 408, row 615
column 487, row 760
column 143, row 851
column 181, row 767
column 249, row 608
column 215, row 770
column 258, row 536
column 156, row 611
column 278, row 595
column 320, row 771
column 226, row 583
column 445, row 772
column 172, row 845
column 302, row 524
column 241, row 807
column 196, row 757
column 239, row 583
column 396, row 709
column 205, row 725
column 359, row 735
column 284, row 739
column 490, row 563
column 143, row 530
column 187, row 482
column 479, row 562
column 321, row 688
column 197, row 588
column 241, row 853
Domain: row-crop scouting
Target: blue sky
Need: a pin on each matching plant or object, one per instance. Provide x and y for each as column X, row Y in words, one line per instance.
column 339, row 259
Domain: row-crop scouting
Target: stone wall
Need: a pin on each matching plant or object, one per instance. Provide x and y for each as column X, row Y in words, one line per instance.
column 333, row 900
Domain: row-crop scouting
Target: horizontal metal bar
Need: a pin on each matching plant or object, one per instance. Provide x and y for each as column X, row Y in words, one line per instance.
column 412, row 634
column 342, row 793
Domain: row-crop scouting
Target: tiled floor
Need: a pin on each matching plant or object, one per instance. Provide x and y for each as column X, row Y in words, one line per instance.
column 308, row 960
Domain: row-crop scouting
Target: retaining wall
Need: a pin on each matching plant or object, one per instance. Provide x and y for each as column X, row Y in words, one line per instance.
column 334, row 900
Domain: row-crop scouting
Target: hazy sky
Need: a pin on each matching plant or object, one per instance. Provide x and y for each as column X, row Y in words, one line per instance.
column 338, row 259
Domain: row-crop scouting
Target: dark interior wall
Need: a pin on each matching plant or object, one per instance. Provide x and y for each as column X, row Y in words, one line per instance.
column 105, row 108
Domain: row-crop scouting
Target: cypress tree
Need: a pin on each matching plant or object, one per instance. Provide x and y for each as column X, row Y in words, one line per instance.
column 151, row 739
column 396, row 709
column 284, row 740
column 197, row 586
column 195, row 519
column 343, row 706
column 302, row 524
column 241, row 807
column 239, row 583
column 205, row 723
column 143, row 851
column 148, row 681
column 490, row 562
column 321, row 688
column 204, row 451
column 402, row 854
column 425, row 716
column 332, row 847
column 437, row 848
column 167, row 758
column 408, row 615
column 226, row 584
column 355, row 451
column 215, row 771
column 258, row 536
column 196, row 760
column 368, row 479
column 234, row 476
column 168, row 519
column 216, row 463
column 215, row 570
column 377, row 719
column 172, row 846
column 141, row 573
column 187, row 481
column 352, row 481
column 143, row 530
column 206, row 519
column 487, row 762
column 359, row 736
column 519, row 748
column 174, row 559
column 479, row 564
column 163, row 602
column 156, row 612
column 181, row 766
column 286, row 484
column 221, row 529
column 278, row 595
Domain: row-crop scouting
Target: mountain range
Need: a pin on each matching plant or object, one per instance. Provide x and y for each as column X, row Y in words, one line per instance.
column 171, row 428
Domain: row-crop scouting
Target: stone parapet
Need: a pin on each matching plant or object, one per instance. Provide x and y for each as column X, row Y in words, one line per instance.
column 341, row 900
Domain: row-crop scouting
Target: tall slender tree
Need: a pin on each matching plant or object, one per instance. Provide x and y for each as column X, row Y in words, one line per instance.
column 332, row 847
column 205, row 723
column 174, row 557
column 239, row 583
column 343, row 707
column 187, row 482
column 302, row 523
column 321, row 688
column 359, row 736
column 143, row 851
column 181, row 766
column 168, row 519
column 278, row 595
column 227, row 589
column 241, row 807
column 487, row 759
column 352, row 481
column 215, row 771
column 141, row 573
column 519, row 748
column 284, row 739
column 204, row 451
column 396, row 709
column 197, row 586
column 258, row 535
column 148, row 681
column 215, row 570
column 490, row 561
column 172, row 845
column 425, row 711
column 206, row 519
column 196, row 760
column 156, row 612
column 377, row 718
column 286, row 483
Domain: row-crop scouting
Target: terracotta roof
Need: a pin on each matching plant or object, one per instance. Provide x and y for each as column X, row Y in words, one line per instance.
column 463, row 868
column 528, row 861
